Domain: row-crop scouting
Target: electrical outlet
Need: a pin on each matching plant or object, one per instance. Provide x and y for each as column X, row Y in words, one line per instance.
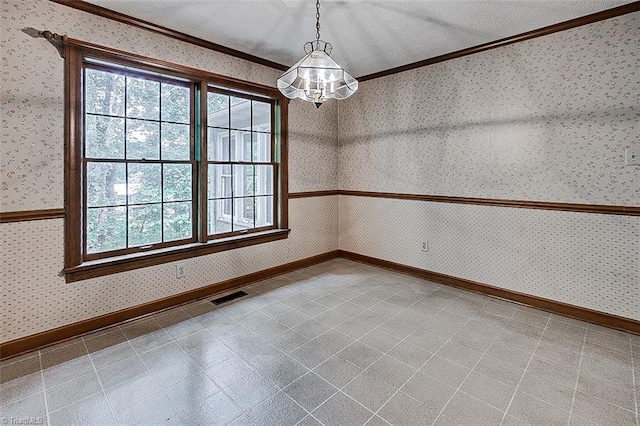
column 181, row 270
column 633, row 156
column 424, row 247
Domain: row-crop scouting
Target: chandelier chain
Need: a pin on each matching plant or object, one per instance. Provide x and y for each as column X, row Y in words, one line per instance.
column 317, row 19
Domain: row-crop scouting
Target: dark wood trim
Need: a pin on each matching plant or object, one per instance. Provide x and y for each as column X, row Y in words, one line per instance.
column 73, row 82
column 308, row 194
column 283, row 106
column 60, row 334
column 122, row 57
column 49, row 337
column 158, row 29
column 99, row 268
column 203, row 169
column 28, row 215
column 562, row 26
column 522, row 204
column 560, row 308
column 76, row 268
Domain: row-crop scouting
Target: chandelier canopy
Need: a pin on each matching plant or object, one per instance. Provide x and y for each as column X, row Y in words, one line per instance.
column 316, row 77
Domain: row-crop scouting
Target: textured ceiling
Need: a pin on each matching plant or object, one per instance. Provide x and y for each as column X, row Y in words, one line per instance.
column 367, row 35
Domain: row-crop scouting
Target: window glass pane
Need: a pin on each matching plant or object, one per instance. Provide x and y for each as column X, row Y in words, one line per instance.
column 218, row 147
column 145, row 225
column 104, row 93
column 243, row 181
column 217, row 110
column 219, row 216
column 240, row 146
column 219, row 181
column 242, row 213
column 264, row 211
column 261, row 147
column 106, row 184
column 176, row 141
column 264, row 180
column 240, row 113
column 177, row 182
column 106, row 229
column 176, row 103
column 143, row 140
column 104, row 137
column 143, row 98
column 261, row 116
column 145, row 184
column 177, row 221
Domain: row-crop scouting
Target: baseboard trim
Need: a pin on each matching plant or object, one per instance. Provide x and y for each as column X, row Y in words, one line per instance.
column 36, row 341
column 564, row 309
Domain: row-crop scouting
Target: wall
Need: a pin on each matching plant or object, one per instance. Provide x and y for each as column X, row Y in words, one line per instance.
column 33, row 295
column 543, row 120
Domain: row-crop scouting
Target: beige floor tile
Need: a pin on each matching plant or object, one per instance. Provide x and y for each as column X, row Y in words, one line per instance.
column 446, row 371
column 391, row 371
column 338, row 371
column 379, row 340
column 310, row 391
column 411, row 351
column 93, row 410
column 600, row 411
column 402, row 410
column 467, row 410
column 340, row 410
column 31, row 406
column 428, row 390
column 546, row 389
column 278, row 410
column 72, row 391
column 360, row 354
column 460, row 354
column 121, row 371
column 488, row 390
column 369, row 391
column 535, row 411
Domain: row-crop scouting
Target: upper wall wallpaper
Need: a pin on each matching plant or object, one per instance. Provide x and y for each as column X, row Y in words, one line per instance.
column 546, row 119
column 32, row 101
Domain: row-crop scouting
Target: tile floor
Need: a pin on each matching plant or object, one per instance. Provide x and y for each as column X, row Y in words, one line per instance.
column 338, row 343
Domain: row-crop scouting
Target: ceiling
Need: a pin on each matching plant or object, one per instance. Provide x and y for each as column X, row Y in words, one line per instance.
column 367, row 35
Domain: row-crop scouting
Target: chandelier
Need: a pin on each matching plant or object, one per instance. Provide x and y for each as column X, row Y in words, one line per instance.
column 316, row 77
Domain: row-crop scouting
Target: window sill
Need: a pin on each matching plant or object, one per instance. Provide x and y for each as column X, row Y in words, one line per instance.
column 113, row 265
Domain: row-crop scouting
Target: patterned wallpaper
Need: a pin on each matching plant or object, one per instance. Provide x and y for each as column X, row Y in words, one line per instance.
column 543, row 120
column 33, row 295
column 31, row 81
column 546, row 119
column 313, row 158
column 588, row 260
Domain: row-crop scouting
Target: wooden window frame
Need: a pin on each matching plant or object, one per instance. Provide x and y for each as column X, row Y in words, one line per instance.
column 79, row 265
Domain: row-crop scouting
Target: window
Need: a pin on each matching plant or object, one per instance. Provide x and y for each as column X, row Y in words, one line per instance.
column 241, row 167
column 139, row 163
column 165, row 162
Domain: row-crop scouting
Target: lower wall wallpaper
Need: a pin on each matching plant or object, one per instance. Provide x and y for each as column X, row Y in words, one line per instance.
column 587, row 260
column 34, row 296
